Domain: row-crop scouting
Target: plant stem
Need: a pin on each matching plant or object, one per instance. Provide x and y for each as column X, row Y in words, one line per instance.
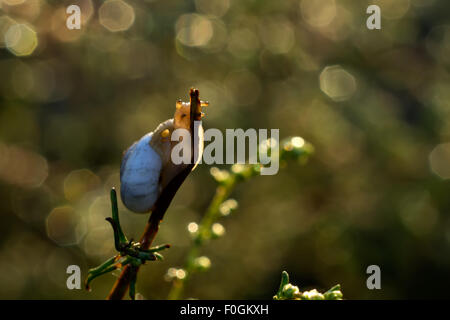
column 292, row 148
column 121, row 286
column 129, row 273
column 211, row 215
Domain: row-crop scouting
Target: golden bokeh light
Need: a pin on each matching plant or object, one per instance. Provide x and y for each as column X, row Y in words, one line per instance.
column 440, row 160
column 202, row 262
column 98, row 211
column 79, row 182
column 22, row 167
column 21, row 40
column 227, row 207
column 318, row 13
column 277, row 35
column 98, row 242
column 217, row 229
column 342, row 26
column 194, row 30
column 192, row 227
column 116, row 15
column 13, row 2
column 219, row 37
column 337, row 83
column 29, row 10
column 64, row 226
column 181, row 274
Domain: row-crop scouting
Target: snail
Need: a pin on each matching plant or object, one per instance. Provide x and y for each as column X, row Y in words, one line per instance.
column 146, row 166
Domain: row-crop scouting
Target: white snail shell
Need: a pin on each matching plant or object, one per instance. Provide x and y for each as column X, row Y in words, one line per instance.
column 147, row 167
column 139, row 174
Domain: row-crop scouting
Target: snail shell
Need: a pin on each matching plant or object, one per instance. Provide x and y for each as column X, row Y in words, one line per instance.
column 139, row 174
column 147, row 167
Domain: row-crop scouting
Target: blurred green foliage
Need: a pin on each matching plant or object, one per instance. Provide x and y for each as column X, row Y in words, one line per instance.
column 375, row 105
column 287, row 291
column 291, row 148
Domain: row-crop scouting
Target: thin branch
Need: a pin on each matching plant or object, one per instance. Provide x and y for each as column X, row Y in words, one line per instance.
column 291, row 148
column 122, row 284
column 222, row 193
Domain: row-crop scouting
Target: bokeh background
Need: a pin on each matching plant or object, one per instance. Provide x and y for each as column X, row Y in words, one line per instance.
column 375, row 104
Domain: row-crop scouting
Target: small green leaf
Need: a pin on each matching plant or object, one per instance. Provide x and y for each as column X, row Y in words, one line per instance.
column 288, row 291
column 105, row 267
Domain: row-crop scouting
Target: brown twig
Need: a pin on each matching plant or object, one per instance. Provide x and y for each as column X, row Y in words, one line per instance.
column 123, row 282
